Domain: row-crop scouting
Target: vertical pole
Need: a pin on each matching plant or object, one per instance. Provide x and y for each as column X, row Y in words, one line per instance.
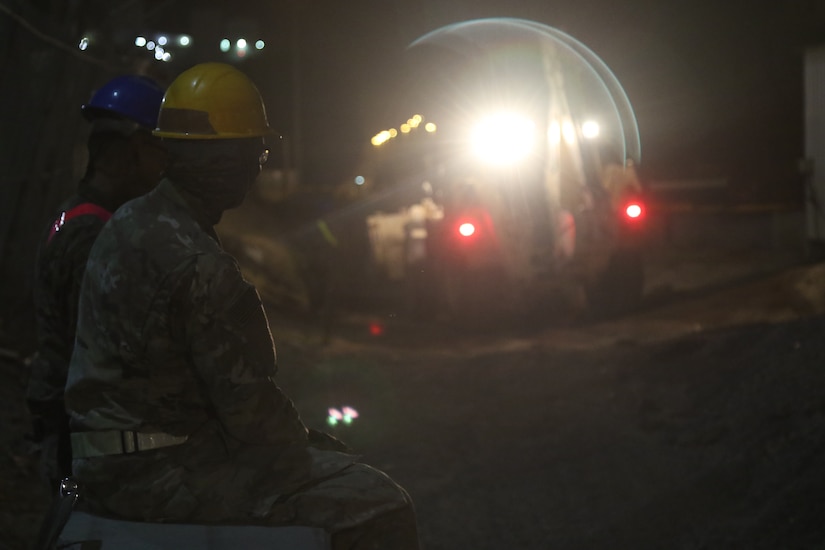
column 295, row 143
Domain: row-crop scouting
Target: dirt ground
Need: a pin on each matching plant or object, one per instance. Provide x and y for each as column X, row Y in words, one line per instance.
column 696, row 423
column 693, row 425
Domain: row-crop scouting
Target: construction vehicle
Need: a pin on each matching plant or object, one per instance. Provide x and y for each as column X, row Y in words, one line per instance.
column 510, row 186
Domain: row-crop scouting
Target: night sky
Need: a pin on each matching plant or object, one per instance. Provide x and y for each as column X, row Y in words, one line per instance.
column 716, row 86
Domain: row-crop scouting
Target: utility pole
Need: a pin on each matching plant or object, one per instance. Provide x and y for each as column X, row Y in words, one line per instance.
column 295, row 143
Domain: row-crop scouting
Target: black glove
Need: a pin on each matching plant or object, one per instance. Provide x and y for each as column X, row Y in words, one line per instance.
column 326, row 442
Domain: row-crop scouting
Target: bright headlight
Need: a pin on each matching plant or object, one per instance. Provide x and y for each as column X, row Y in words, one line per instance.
column 503, row 138
column 590, row 129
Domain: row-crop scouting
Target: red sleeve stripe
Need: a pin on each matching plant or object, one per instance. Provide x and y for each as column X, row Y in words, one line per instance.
column 86, row 208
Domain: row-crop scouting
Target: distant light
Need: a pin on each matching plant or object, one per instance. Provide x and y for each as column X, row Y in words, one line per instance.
column 140, row 41
column 241, row 53
column 334, row 416
column 380, row 137
column 241, row 44
column 554, row 133
column 167, row 56
column 633, row 210
column 466, row 229
column 568, row 132
column 393, row 132
column 590, row 129
column 259, row 45
column 415, row 120
column 359, row 180
column 376, row 329
column 225, row 45
column 345, row 415
column 159, row 53
column 162, row 40
column 350, row 414
column 405, row 128
column 503, row 138
column 150, row 45
column 430, row 127
column 184, row 40
column 84, row 43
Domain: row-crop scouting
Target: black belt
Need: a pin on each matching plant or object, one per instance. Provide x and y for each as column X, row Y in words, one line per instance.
column 116, row 442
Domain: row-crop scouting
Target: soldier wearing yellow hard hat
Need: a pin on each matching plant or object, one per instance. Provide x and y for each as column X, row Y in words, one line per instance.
column 212, row 101
column 176, row 355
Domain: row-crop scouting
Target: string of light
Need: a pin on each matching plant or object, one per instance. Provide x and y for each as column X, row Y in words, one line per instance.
column 54, row 41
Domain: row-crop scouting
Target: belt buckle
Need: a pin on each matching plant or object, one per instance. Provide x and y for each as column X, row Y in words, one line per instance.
column 129, row 440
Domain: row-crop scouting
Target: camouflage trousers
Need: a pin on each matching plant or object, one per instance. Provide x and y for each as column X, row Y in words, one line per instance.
column 360, row 506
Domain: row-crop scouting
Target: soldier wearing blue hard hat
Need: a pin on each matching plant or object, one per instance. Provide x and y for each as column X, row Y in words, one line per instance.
column 125, row 161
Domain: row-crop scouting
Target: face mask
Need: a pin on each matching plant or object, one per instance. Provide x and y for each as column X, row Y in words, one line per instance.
column 218, row 173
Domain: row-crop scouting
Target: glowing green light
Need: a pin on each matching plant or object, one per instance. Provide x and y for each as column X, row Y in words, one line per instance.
column 347, row 415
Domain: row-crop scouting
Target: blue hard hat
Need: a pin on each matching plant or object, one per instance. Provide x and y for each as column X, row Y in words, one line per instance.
column 134, row 97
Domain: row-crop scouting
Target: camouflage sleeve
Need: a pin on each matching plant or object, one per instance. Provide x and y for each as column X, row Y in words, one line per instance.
column 77, row 256
column 234, row 357
column 61, row 265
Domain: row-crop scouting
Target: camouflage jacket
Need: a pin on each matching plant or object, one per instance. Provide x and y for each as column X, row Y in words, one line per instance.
column 171, row 338
column 61, row 262
column 60, row 265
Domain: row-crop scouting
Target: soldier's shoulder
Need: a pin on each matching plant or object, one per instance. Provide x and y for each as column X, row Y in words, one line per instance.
column 151, row 218
column 71, row 235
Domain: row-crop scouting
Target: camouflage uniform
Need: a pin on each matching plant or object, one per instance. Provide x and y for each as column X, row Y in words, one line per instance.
column 60, row 266
column 172, row 339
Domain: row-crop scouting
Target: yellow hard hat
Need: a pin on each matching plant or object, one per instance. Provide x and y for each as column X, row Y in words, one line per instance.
column 212, row 101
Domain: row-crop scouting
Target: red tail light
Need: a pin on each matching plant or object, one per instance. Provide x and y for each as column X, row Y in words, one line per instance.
column 634, row 210
column 466, row 229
